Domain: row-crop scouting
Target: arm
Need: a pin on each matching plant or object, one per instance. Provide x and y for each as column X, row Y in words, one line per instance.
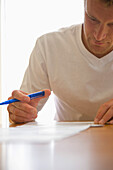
column 35, row 79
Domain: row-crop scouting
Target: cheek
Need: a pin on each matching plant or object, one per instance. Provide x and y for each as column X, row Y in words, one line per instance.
column 111, row 37
column 89, row 29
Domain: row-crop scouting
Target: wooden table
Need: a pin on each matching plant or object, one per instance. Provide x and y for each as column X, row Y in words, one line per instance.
column 91, row 149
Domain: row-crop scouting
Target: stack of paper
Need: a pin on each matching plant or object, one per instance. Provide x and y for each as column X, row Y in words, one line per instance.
column 42, row 132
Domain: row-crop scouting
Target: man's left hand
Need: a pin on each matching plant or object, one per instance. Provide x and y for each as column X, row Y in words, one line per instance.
column 105, row 113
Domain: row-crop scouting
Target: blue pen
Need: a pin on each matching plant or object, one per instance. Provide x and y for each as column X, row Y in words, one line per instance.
column 32, row 96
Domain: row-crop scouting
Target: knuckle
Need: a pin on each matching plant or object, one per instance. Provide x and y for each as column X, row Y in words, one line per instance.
column 12, row 109
column 34, row 113
column 14, row 92
column 27, row 116
column 105, row 105
column 35, row 110
column 16, row 112
column 99, row 113
column 32, row 110
column 12, row 117
column 111, row 108
column 17, row 104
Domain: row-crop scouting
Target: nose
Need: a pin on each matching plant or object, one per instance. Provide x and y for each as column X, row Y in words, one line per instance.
column 100, row 33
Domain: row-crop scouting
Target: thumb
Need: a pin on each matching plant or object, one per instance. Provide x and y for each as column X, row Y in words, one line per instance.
column 35, row 101
column 47, row 93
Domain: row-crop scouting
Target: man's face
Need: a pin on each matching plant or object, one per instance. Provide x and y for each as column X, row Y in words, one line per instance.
column 97, row 32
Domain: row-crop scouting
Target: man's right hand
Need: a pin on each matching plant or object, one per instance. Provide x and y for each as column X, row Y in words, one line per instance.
column 26, row 109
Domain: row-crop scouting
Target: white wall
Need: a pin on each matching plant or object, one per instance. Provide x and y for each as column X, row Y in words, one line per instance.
column 0, row 63
column 25, row 20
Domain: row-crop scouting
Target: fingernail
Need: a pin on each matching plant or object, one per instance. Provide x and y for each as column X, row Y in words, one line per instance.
column 96, row 121
column 101, row 121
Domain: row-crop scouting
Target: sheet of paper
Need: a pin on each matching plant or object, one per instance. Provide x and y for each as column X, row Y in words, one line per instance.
column 34, row 132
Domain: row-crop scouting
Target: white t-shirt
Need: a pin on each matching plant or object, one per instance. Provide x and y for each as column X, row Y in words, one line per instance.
column 80, row 81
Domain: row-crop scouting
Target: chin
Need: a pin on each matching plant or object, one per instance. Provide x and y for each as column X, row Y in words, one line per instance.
column 100, row 53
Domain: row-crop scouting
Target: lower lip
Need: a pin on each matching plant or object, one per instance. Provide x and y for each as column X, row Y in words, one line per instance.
column 97, row 43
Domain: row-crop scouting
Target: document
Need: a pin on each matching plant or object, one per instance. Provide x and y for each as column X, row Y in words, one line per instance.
column 39, row 132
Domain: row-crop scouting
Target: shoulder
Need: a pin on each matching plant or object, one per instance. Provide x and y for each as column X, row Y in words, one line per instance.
column 70, row 29
column 60, row 35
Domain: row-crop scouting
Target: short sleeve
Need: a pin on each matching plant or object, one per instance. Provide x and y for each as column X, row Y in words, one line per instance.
column 36, row 75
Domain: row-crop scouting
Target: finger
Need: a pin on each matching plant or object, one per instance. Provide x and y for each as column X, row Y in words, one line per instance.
column 18, row 112
column 107, row 116
column 102, row 110
column 110, row 122
column 25, row 107
column 14, row 92
column 9, row 98
column 19, row 119
column 23, row 96
column 20, row 96
column 47, row 94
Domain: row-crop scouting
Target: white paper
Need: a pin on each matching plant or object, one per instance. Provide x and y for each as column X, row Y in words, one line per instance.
column 34, row 132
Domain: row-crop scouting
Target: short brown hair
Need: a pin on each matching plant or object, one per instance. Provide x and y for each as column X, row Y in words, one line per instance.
column 108, row 2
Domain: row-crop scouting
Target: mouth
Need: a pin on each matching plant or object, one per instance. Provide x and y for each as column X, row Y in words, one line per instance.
column 98, row 43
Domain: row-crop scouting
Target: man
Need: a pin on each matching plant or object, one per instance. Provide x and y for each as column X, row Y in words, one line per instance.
column 75, row 63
